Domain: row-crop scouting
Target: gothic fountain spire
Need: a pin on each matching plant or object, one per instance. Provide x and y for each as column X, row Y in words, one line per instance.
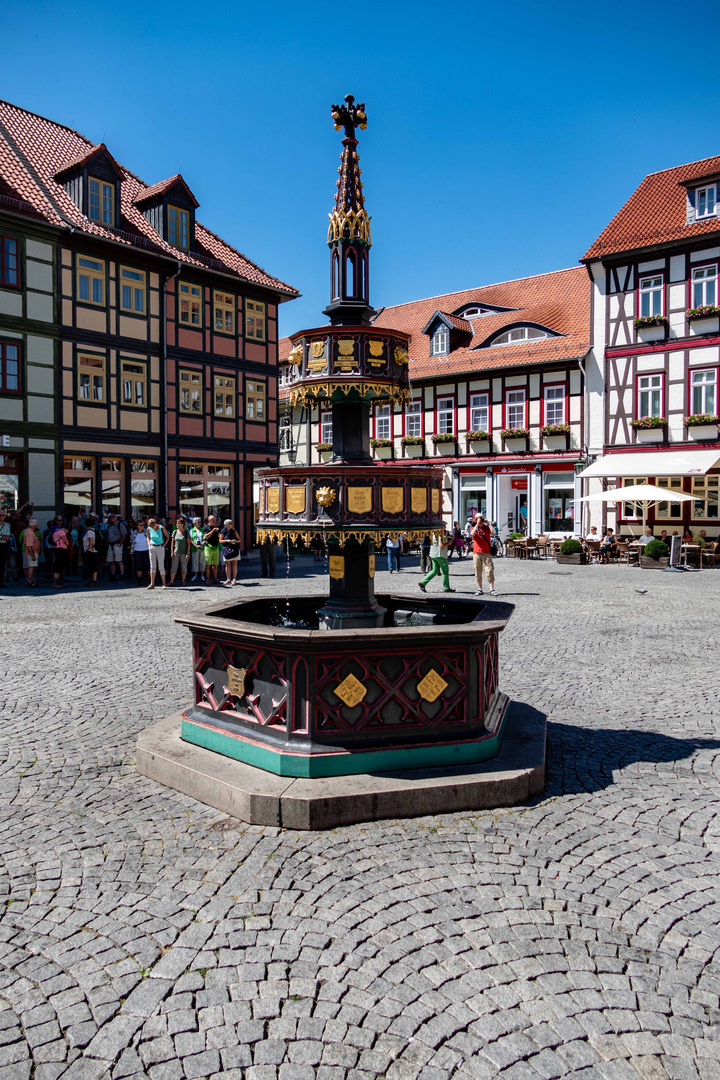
column 349, row 232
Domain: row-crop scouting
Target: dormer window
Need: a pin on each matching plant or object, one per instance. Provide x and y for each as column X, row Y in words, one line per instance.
column 440, row 342
column 705, row 200
column 170, row 208
column 101, row 201
column 520, row 333
column 178, row 227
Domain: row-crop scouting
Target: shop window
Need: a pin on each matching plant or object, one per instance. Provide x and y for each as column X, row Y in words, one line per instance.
column 9, row 262
column 132, row 290
column 479, row 412
column 90, row 277
column 326, row 427
column 9, row 482
column 191, row 392
column 254, row 400
column 224, row 312
column 559, row 498
column 383, row 422
column 650, row 388
column 205, row 490
column 413, row 418
column 143, row 480
column 445, row 412
column 704, row 391
column 190, row 304
column 101, row 201
column 255, row 320
column 515, row 406
column 633, row 510
column 178, row 227
column 91, row 379
column 133, row 378
column 225, row 394
column 78, row 482
column 9, row 367
column 669, row 511
column 473, row 497
column 112, row 472
column 554, row 404
column 705, row 494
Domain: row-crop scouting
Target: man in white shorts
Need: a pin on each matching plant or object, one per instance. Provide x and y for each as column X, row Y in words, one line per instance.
column 116, row 533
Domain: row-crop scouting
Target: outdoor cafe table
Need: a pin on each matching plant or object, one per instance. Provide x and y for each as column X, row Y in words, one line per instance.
column 690, row 549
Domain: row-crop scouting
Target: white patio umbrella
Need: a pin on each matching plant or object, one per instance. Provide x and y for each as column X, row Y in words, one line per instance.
column 645, row 494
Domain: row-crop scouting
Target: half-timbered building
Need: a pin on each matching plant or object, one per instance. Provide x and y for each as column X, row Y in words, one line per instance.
column 498, row 384
column 656, row 336
column 166, row 370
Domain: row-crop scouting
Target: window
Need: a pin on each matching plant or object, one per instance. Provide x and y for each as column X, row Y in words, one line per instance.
column 445, row 408
column 9, row 367
column 704, row 391
column 190, row 304
column 650, row 389
column 78, row 485
column 479, row 412
column 191, row 392
column 205, row 490
column 326, row 434
column 225, row 394
column 705, row 201
column 705, row 494
column 668, row 511
column 520, row 333
column 704, row 285
column 633, row 509
column 101, row 201
column 515, row 409
column 224, row 312
column 559, row 498
column 178, row 227
column 473, row 496
column 112, row 485
column 255, row 400
column 132, row 290
column 440, row 342
column 9, row 265
column 91, row 378
column 554, row 404
column 413, row 418
column 651, row 295
column 142, row 487
column 90, row 280
column 255, row 320
column 133, row 376
column 383, row 422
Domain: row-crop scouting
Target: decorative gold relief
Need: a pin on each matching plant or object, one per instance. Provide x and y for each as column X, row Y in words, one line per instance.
column 262, row 502
column 273, row 500
column 295, row 500
column 431, row 687
column 337, row 567
column 349, row 223
column 346, row 346
column 435, row 496
column 350, row 691
column 325, row 496
column 236, row 681
column 371, row 566
column 401, row 355
column 317, row 349
column 295, row 356
column 393, row 500
column 316, row 364
column 359, row 500
column 376, row 347
column 418, row 500
column 310, row 393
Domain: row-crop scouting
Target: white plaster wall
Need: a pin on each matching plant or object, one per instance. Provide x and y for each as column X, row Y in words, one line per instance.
column 656, row 264
column 516, row 380
column 651, row 362
column 39, row 380
column 11, row 304
column 534, row 384
column 39, row 350
column 40, row 410
column 39, row 275
column 41, row 479
column 706, row 253
column 39, row 307
column 677, row 296
column 710, row 354
column 35, row 249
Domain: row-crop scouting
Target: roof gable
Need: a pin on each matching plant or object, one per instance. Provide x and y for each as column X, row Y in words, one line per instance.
column 163, row 189
column 451, row 321
column 100, row 153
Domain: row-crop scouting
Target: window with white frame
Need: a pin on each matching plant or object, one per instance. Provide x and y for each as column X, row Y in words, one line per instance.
column 440, row 342
column 326, row 427
column 515, row 409
column 479, row 412
column 650, row 395
column 554, row 404
column 445, row 411
column 413, row 418
column 669, row 511
column 704, row 285
column 633, row 509
column 705, row 493
column 520, row 333
column 705, row 199
column 651, row 295
column 704, row 391
column 383, row 422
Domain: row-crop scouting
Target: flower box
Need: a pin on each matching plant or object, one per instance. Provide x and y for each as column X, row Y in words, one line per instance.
column 654, row 564
column 414, row 450
column 556, row 442
column 650, row 435
column 708, row 324
column 705, row 311
column 479, row 446
column 383, row 451
column 580, row 559
column 445, row 448
column 703, row 432
column 516, row 446
column 651, row 327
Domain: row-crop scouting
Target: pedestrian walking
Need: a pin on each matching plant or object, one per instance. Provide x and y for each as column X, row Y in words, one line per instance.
column 140, row 551
column 157, row 542
column 393, row 553
column 231, row 551
column 61, row 545
column 211, row 549
column 179, row 551
column 438, row 559
column 267, row 557
column 482, row 554
column 425, row 545
column 90, row 555
column 31, row 545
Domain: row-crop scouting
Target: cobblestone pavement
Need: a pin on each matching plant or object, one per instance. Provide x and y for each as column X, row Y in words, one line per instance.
column 142, row 934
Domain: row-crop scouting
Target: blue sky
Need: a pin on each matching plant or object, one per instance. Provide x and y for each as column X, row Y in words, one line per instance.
column 502, row 137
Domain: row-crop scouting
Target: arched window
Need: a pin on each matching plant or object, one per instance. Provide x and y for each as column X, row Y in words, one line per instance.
column 520, row 333
column 335, row 276
column 350, row 275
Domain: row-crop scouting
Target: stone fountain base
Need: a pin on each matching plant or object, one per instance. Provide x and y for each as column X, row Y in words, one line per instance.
column 263, row 798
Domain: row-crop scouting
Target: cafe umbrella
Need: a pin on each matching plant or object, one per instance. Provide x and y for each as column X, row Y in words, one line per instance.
column 646, row 495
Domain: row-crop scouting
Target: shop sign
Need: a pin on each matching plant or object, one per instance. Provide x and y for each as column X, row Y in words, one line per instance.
column 519, row 483
column 5, row 440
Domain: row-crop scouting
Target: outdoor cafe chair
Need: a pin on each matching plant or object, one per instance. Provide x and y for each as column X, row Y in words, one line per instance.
column 531, row 548
column 542, row 545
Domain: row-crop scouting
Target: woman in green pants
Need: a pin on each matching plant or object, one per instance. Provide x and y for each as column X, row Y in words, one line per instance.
column 439, row 564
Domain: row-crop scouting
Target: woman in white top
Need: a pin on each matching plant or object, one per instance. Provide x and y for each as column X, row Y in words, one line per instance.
column 140, row 551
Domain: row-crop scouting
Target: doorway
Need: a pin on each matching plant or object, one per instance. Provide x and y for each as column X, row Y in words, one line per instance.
column 512, row 504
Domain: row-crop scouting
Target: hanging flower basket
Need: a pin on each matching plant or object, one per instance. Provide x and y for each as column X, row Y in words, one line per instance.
column 649, row 320
column 647, row 423
column 324, row 447
column 705, row 311
column 701, row 419
column 412, row 440
column 514, row 433
column 555, row 429
column 445, row 437
column 477, row 436
column 380, row 443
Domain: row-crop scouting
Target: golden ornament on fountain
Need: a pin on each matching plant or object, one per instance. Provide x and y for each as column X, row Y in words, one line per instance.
column 325, row 496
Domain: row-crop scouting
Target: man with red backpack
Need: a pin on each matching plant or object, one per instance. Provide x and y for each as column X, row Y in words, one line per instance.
column 482, row 553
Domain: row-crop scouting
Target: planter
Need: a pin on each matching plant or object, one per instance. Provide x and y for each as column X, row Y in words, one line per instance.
column 702, row 432
column 416, row 450
column 325, row 455
column 651, row 435
column 516, row 446
column 384, row 453
column 654, row 564
column 479, row 446
column 652, row 333
column 579, row 559
column 446, row 449
column 708, row 325
column 556, row 442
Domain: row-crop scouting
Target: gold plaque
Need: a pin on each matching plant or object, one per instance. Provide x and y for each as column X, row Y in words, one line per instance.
column 371, row 566
column 273, row 500
column 431, row 687
column 435, row 496
column 376, row 347
column 236, row 681
column 350, row 691
column 359, row 500
column 337, row 567
column 317, row 349
column 316, row 364
column 345, row 364
column 393, row 500
column 346, row 346
column 418, row 500
column 295, row 500
column 401, row 356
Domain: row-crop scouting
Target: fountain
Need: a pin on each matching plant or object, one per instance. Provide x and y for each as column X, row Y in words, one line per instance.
column 365, row 692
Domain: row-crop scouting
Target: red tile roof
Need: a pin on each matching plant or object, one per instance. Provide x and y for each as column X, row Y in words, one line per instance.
column 656, row 212
column 161, row 188
column 70, row 166
column 459, row 324
column 34, row 150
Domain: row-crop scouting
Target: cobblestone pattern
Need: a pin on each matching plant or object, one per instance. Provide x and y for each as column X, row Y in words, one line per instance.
column 144, row 936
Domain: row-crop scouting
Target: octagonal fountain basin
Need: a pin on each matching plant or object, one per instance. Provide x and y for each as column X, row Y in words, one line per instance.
column 275, row 691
